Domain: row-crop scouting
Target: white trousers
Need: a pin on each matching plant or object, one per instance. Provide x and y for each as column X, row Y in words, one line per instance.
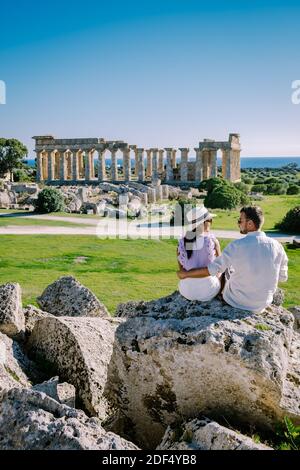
column 201, row 288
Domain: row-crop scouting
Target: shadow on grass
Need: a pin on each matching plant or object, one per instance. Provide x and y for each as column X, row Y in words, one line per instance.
column 12, row 215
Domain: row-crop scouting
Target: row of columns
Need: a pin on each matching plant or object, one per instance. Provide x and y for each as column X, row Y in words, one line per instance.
column 79, row 164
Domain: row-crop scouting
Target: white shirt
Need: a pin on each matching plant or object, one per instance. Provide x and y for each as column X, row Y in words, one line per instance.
column 254, row 265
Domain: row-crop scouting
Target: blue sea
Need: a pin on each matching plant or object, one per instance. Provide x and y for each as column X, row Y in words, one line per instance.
column 246, row 162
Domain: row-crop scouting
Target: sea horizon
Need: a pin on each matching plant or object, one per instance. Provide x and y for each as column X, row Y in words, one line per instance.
column 246, row 162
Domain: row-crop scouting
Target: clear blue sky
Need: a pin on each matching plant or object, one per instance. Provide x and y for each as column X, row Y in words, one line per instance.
column 153, row 72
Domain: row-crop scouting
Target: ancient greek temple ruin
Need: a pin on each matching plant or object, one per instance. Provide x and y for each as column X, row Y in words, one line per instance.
column 79, row 161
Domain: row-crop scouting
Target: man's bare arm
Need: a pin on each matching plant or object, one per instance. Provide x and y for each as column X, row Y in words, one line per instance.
column 194, row 273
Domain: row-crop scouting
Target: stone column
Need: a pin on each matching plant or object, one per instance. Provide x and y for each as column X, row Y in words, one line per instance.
column 160, row 161
column 174, row 158
column 198, row 165
column 87, row 161
column 63, row 166
column 92, row 166
column 184, row 164
column 154, row 164
column 213, row 163
column 75, row 167
column 80, row 164
column 141, row 164
column 113, row 165
column 50, row 166
column 231, row 164
column 101, row 165
column 44, row 166
column 236, row 165
column 126, row 164
column 68, row 158
column 136, row 162
column 205, row 157
column 149, row 163
column 151, row 193
column 39, row 165
column 165, row 191
column 169, row 168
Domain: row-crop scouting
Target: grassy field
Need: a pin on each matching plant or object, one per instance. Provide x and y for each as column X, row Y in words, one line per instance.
column 115, row 270
column 274, row 207
column 21, row 222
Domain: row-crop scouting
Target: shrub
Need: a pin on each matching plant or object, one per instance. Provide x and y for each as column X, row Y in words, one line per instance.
column 241, row 186
column 290, row 433
column 293, row 189
column 276, row 188
column 49, row 200
column 223, row 194
column 21, row 175
column 223, row 197
column 291, row 221
column 259, row 188
column 259, row 181
column 247, row 180
column 210, row 184
column 272, row 180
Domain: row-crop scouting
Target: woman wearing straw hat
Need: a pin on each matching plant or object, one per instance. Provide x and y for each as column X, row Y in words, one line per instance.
column 197, row 249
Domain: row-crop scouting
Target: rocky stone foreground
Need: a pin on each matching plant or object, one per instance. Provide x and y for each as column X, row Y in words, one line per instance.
column 167, row 374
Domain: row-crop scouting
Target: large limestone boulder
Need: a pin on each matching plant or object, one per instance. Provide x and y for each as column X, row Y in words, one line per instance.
column 12, row 321
column 67, row 297
column 173, row 357
column 296, row 312
column 79, row 351
column 32, row 314
column 204, row 434
column 30, row 420
column 73, row 203
column 62, row 392
column 12, row 365
column 7, row 198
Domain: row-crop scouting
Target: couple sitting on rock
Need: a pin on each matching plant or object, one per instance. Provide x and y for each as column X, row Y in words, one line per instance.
column 246, row 274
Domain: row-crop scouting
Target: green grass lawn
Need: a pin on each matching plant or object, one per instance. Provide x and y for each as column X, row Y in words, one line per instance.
column 115, row 270
column 274, row 207
column 21, row 222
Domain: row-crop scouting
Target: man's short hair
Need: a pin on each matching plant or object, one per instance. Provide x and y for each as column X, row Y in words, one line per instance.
column 255, row 214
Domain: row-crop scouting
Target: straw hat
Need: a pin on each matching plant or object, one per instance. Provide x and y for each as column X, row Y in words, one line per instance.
column 198, row 215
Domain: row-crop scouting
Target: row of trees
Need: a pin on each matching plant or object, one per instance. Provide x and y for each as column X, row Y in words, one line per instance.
column 12, row 154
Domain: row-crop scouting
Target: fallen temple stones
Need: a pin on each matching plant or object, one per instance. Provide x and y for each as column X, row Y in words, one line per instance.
column 168, row 374
column 73, row 160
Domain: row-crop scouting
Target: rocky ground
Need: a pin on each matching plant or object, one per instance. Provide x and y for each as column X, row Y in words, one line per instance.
column 103, row 199
column 166, row 374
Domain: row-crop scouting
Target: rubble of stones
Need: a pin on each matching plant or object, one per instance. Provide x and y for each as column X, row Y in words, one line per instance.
column 169, row 374
column 103, row 199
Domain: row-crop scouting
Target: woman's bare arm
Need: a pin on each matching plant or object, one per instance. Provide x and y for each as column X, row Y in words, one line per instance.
column 217, row 247
column 179, row 264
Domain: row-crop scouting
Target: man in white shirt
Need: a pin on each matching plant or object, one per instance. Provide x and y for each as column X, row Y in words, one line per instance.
column 253, row 265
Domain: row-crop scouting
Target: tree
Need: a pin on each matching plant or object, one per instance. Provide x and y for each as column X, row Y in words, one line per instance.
column 291, row 221
column 223, row 197
column 276, row 188
column 223, row 194
column 293, row 189
column 241, row 186
column 210, row 184
column 259, row 188
column 12, row 152
column 49, row 200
